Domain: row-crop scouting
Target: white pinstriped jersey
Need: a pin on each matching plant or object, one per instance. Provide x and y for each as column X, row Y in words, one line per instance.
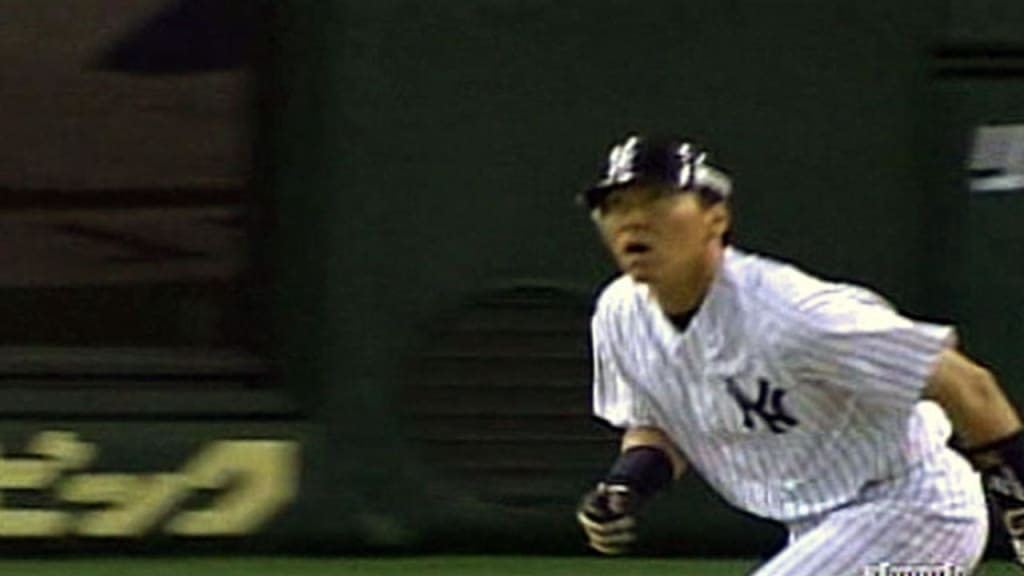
column 787, row 393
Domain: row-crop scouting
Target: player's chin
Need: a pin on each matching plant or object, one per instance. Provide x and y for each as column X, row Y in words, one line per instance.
column 639, row 275
column 638, row 268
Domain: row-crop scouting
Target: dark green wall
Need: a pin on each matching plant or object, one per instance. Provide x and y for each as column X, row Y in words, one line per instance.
column 427, row 152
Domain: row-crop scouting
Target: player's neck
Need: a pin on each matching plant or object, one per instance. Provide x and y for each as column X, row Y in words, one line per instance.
column 683, row 295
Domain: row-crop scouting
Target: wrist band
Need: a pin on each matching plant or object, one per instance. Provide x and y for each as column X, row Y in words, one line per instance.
column 1007, row 451
column 645, row 469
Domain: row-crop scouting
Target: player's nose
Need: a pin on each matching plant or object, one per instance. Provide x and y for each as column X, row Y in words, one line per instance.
column 633, row 226
column 632, row 215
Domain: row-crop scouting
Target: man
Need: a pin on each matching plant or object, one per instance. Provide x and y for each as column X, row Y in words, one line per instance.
column 811, row 403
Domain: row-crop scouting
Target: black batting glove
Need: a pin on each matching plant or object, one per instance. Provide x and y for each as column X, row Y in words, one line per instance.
column 608, row 512
column 1001, row 464
column 607, row 515
column 1007, row 494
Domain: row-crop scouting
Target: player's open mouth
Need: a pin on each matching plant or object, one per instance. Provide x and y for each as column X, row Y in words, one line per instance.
column 636, row 248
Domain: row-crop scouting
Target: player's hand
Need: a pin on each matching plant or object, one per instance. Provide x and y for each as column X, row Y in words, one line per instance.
column 1013, row 521
column 607, row 516
column 1007, row 494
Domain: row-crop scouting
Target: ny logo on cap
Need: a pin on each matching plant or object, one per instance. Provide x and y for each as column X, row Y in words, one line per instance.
column 621, row 161
column 690, row 160
column 677, row 163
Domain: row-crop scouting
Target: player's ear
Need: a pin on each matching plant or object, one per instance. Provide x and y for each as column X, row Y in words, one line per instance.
column 719, row 219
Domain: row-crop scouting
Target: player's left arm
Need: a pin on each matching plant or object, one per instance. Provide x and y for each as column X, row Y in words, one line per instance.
column 990, row 430
column 973, row 399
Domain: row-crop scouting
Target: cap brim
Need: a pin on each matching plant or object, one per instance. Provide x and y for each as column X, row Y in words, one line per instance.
column 593, row 196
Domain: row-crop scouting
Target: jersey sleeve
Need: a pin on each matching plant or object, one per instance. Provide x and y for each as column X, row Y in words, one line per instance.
column 617, row 399
column 852, row 338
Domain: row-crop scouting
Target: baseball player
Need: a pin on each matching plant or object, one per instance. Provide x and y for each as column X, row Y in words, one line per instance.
column 812, row 403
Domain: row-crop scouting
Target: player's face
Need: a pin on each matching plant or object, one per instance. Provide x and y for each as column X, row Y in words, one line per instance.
column 659, row 236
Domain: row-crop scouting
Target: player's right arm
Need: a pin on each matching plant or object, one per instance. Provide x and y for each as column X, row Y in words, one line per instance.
column 654, row 437
column 648, row 462
column 648, row 459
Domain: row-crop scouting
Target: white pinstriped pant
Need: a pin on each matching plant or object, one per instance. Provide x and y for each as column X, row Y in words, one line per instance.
column 935, row 514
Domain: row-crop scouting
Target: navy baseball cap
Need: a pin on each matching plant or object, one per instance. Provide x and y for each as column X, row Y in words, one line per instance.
column 668, row 161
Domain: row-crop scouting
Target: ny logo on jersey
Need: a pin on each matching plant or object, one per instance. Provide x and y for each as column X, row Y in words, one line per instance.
column 768, row 406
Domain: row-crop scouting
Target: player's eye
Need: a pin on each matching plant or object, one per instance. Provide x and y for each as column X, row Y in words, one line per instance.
column 613, row 202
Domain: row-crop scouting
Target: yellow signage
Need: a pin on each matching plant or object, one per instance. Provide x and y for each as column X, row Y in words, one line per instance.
column 251, row 480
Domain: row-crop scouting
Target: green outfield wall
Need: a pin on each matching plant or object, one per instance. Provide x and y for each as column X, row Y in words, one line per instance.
column 431, row 277
column 439, row 146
